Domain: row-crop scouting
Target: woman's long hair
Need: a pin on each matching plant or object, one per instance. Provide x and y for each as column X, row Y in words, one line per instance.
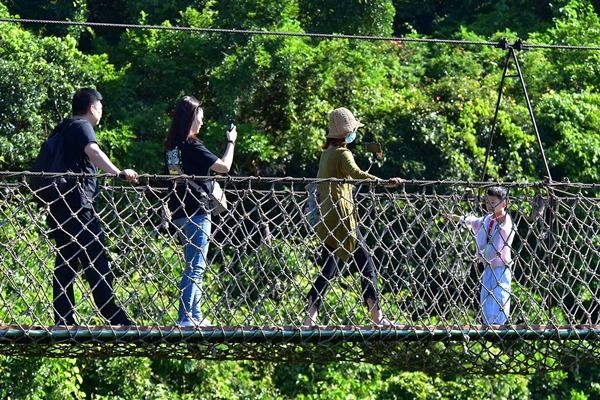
column 186, row 110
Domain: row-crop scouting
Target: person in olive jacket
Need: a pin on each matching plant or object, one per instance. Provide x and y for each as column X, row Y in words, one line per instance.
column 338, row 230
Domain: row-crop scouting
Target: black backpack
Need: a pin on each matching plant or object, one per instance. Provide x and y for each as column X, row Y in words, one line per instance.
column 51, row 158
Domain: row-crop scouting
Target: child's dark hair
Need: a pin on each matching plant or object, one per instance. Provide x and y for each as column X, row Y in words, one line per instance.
column 499, row 191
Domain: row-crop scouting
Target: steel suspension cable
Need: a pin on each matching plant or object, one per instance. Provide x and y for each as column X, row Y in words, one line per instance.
column 251, row 32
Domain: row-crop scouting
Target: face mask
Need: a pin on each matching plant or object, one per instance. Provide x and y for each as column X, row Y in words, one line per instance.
column 350, row 138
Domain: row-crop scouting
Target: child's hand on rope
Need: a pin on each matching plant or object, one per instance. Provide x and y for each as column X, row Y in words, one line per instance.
column 451, row 217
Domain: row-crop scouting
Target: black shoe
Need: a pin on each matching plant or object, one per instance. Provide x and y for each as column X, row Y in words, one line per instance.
column 63, row 322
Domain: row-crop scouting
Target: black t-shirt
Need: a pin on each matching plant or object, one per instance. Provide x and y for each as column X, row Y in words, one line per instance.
column 76, row 136
column 196, row 159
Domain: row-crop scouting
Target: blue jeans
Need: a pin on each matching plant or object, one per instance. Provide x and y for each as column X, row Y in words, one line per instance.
column 194, row 234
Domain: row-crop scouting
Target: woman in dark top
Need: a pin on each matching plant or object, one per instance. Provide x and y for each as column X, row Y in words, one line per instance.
column 186, row 154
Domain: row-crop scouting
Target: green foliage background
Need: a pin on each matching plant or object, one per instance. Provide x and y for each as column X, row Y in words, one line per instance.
column 429, row 105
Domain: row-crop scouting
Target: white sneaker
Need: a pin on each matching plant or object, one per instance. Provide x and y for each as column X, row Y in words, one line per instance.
column 385, row 322
column 186, row 324
column 194, row 323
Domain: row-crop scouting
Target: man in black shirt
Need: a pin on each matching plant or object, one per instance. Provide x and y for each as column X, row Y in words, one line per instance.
column 74, row 224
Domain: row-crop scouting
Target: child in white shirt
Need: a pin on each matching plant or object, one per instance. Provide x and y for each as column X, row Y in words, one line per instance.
column 494, row 234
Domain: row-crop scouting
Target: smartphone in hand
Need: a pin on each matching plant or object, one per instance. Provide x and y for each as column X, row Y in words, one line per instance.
column 373, row 148
column 231, row 132
column 230, row 124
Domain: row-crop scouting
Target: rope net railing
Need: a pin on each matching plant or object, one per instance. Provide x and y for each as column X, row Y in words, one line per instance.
column 264, row 257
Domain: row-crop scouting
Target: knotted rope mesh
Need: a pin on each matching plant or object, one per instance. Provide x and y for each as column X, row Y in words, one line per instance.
column 264, row 256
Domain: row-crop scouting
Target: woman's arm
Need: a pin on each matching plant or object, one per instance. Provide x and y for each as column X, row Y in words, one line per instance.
column 349, row 167
column 223, row 165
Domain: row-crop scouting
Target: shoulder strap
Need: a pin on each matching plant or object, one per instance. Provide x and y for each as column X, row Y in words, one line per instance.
column 201, row 185
column 491, row 226
column 62, row 126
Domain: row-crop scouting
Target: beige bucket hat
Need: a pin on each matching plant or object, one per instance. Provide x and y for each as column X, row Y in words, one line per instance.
column 341, row 123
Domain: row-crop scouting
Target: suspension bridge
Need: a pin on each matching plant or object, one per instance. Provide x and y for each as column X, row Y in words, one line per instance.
column 264, row 256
